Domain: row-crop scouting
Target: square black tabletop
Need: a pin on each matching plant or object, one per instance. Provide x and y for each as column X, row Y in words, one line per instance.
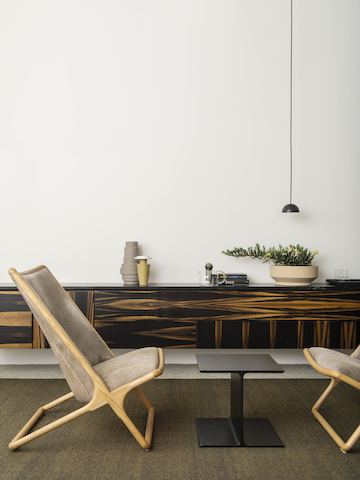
column 241, row 362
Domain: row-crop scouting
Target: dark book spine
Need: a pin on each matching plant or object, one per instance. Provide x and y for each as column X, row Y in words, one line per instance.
column 242, row 281
column 236, row 276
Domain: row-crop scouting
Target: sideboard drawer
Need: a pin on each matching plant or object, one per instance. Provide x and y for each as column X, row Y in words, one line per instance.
column 141, row 318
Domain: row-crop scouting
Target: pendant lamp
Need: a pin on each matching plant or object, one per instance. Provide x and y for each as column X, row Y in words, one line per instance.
column 291, row 207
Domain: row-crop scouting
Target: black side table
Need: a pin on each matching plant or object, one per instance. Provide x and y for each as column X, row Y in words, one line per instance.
column 237, row 431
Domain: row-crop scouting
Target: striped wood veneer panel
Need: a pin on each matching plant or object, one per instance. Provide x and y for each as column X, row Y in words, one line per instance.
column 258, row 317
column 137, row 318
column 15, row 321
column 293, row 318
column 228, row 318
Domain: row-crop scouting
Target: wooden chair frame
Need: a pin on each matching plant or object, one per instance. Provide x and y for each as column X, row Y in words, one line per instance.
column 336, row 378
column 101, row 396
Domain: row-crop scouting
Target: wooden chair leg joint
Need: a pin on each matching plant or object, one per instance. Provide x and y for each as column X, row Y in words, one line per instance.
column 344, row 446
column 145, row 441
column 25, row 435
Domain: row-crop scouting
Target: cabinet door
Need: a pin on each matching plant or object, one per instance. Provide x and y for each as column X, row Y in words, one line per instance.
column 286, row 318
column 142, row 318
column 194, row 309
column 15, row 321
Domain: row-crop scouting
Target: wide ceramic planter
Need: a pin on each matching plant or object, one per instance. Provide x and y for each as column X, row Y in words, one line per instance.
column 293, row 276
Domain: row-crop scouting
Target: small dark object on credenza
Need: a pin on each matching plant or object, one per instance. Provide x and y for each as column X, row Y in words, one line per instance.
column 236, row 276
column 347, row 283
column 232, row 283
column 233, row 279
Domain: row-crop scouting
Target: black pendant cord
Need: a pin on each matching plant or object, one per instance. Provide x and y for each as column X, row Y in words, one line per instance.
column 291, row 101
column 291, row 207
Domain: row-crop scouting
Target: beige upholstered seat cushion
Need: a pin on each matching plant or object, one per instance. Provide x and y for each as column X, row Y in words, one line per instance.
column 127, row 367
column 333, row 360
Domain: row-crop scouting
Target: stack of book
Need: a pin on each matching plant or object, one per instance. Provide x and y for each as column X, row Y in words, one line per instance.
column 236, row 279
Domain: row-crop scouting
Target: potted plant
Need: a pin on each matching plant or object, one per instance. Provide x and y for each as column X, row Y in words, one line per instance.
column 291, row 265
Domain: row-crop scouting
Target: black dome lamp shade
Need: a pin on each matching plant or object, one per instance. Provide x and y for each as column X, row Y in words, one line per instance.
column 291, row 207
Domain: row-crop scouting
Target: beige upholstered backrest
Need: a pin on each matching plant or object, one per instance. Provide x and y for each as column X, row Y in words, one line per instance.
column 74, row 341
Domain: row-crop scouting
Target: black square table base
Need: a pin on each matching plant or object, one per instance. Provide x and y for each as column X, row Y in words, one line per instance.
column 222, row 432
column 237, row 431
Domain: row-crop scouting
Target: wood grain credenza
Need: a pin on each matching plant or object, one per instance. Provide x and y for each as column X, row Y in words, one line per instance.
column 190, row 316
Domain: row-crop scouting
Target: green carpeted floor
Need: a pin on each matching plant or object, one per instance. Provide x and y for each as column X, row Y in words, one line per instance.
column 97, row 445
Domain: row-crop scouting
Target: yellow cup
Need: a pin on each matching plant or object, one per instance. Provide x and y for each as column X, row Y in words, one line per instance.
column 143, row 269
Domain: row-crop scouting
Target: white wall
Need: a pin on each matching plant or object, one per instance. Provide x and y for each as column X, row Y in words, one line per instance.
column 166, row 121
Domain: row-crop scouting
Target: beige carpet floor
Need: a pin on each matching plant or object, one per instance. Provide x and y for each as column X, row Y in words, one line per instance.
column 97, row 445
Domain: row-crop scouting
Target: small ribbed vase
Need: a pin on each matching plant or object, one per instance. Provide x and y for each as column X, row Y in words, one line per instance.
column 128, row 269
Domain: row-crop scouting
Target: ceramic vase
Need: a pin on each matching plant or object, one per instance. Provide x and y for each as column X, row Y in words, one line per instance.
column 128, row 269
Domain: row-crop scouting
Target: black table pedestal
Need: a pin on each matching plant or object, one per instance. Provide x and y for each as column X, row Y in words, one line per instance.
column 237, row 431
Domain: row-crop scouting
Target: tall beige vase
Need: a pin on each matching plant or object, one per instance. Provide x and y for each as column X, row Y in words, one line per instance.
column 143, row 270
column 128, row 268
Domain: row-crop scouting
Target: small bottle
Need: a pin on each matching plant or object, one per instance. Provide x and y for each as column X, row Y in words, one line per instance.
column 208, row 272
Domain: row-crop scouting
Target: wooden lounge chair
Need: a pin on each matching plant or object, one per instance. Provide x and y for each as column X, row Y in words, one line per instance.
column 95, row 376
column 340, row 368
